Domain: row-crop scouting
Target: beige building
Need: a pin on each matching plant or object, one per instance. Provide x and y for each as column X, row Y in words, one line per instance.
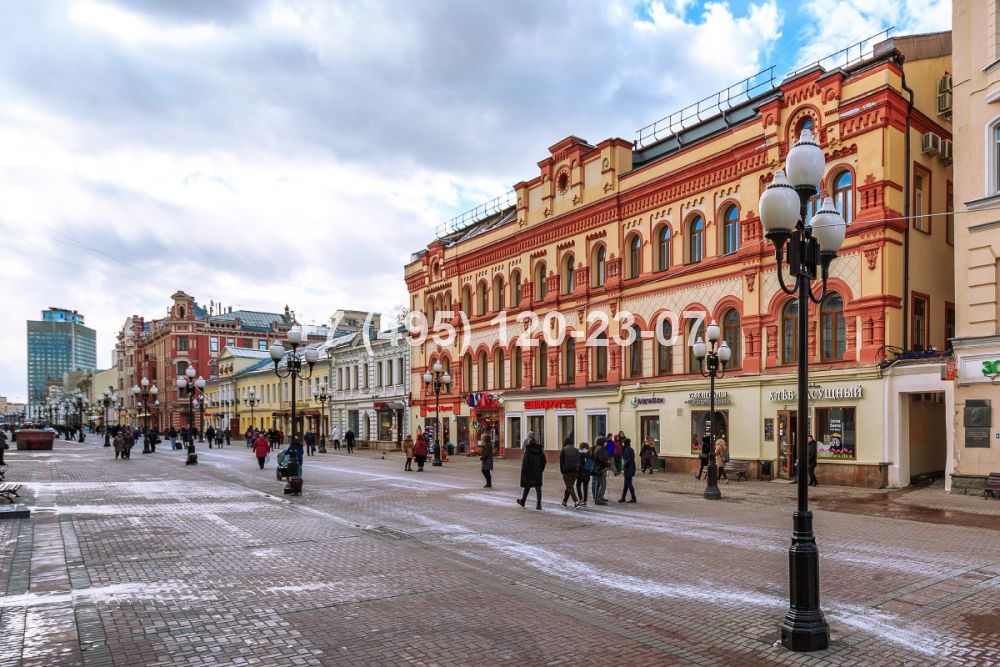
column 975, row 98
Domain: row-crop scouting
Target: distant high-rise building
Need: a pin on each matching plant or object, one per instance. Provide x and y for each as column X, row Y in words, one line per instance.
column 59, row 343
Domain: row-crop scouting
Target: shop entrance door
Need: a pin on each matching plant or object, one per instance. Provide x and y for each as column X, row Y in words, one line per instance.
column 649, row 427
column 787, row 431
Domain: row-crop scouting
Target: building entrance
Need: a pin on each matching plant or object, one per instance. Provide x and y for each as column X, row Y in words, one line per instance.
column 928, row 437
column 788, row 425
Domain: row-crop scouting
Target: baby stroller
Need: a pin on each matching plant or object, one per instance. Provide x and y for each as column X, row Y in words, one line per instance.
column 284, row 458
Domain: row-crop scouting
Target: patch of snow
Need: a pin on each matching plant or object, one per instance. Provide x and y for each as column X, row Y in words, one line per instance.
column 173, row 590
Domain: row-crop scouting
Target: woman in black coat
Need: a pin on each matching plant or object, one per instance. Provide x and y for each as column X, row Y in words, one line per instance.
column 532, row 467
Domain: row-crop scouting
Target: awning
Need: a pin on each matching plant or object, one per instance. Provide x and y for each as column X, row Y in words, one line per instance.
column 394, row 405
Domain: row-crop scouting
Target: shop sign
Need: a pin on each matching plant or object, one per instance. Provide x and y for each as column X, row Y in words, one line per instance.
column 991, row 369
column 817, row 393
column 705, row 398
column 550, row 404
column 949, row 370
column 444, row 408
column 977, row 422
column 647, row 400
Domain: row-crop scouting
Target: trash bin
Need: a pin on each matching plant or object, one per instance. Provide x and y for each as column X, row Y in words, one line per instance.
column 765, row 470
column 451, row 449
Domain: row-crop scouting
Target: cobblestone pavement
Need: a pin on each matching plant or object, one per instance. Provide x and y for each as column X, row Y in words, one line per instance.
column 150, row 562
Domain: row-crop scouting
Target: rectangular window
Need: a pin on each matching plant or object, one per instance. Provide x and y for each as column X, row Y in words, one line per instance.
column 513, row 432
column 262, row 345
column 649, row 427
column 836, row 433
column 921, row 199
column 700, row 425
column 182, row 343
column 399, row 369
column 536, row 424
column 213, row 344
column 597, row 426
column 230, row 342
column 567, row 429
column 388, row 373
column 921, row 323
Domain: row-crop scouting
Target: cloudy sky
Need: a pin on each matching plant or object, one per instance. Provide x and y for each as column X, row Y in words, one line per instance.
column 264, row 152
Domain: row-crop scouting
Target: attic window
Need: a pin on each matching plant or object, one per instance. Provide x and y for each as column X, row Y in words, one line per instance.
column 562, row 182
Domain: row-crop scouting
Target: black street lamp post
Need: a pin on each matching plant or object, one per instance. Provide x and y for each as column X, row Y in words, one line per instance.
column 144, row 391
column 323, row 395
column 710, row 357
column 200, row 404
column 293, row 370
column 107, row 402
column 186, row 384
column 251, row 400
column 81, row 402
column 810, row 245
column 436, row 382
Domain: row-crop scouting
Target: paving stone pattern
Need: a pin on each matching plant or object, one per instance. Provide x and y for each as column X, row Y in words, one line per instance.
column 151, row 562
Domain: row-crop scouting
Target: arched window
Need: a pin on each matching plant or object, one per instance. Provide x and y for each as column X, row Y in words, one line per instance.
column 567, row 277
column 467, row 372
column 483, row 294
column 805, row 123
column 663, row 248
column 833, row 328
column 467, row 301
column 569, row 360
column 600, row 266
column 635, row 353
column 665, row 353
column 696, row 239
column 730, row 230
column 843, row 195
column 515, row 289
column 498, row 293
column 731, row 334
column 601, row 356
column 634, row 245
column 789, row 340
column 694, row 365
column 541, row 364
column 483, row 371
column 540, row 281
column 516, row 367
column 499, row 369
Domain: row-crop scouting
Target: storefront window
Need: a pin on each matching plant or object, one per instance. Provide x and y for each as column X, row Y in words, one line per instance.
column 649, row 427
column 699, row 427
column 567, row 429
column 514, row 436
column 536, row 424
column 597, row 426
column 385, row 425
column 836, row 436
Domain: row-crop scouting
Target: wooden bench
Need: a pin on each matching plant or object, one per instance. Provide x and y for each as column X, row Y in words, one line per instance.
column 737, row 467
column 992, row 485
column 9, row 491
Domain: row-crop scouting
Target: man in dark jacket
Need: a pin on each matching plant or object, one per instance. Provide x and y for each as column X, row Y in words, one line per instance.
column 599, row 477
column 812, row 454
column 487, row 460
column 532, row 467
column 349, row 440
column 310, row 443
column 569, row 466
column 628, row 467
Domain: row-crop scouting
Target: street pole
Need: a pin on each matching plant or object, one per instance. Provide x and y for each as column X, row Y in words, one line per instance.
column 435, row 382
column 293, row 371
column 709, row 357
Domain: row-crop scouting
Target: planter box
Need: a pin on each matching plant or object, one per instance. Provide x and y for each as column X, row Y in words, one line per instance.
column 35, row 440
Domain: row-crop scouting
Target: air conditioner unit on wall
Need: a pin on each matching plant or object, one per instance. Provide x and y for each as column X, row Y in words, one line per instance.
column 946, row 147
column 930, row 144
column 944, row 96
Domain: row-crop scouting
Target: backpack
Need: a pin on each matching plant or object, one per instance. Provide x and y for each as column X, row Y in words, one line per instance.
column 725, row 455
column 588, row 464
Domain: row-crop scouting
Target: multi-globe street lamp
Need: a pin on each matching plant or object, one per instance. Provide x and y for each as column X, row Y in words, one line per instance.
column 186, row 384
column 81, row 403
column 436, row 382
column 107, row 401
column 322, row 395
column 710, row 357
column 810, row 245
column 144, row 392
column 293, row 370
column 251, row 400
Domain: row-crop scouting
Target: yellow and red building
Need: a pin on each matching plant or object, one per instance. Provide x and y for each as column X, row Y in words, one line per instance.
column 562, row 299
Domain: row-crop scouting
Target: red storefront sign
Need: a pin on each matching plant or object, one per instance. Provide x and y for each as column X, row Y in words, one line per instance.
column 550, row 404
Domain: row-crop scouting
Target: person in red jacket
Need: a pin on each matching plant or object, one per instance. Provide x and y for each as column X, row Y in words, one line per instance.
column 420, row 450
column 261, row 447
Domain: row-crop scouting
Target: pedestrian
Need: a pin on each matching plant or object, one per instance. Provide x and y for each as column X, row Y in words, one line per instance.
column 119, row 443
column 569, row 467
column 420, row 450
column 310, row 443
column 722, row 457
column 599, row 477
column 812, row 454
column 628, row 467
column 210, row 436
column 3, row 444
column 527, row 439
column 261, row 448
column 349, row 440
column 227, row 435
column 702, row 453
column 619, row 440
column 487, row 458
column 296, row 449
column 647, row 454
column 583, row 475
column 281, row 437
column 408, row 450
column 249, row 437
column 532, row 467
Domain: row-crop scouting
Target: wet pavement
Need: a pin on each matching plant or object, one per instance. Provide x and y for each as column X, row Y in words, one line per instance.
column 150, row 562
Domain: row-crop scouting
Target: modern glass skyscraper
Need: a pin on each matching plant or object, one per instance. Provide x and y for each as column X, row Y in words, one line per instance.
column 57, row 344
